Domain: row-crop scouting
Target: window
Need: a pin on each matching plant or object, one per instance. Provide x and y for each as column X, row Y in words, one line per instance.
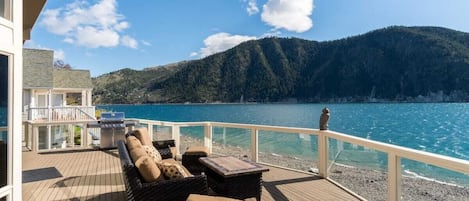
column 2, row 8
column 5, row 9
column 73, row 98
column 57, row 100
column 4, row 138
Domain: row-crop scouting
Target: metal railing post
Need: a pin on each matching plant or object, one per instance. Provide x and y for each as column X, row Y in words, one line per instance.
column 175, row 134
column 394, row 177
column 255, row 145
column 322, row 154
column 208, row 137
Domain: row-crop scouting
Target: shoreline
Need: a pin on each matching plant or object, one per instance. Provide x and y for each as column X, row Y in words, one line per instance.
column 368, row 183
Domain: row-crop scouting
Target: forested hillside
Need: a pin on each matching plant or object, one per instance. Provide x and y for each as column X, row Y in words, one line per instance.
column 391, row 64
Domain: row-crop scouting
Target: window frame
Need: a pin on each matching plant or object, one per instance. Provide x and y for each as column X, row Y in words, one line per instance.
column 6, row 10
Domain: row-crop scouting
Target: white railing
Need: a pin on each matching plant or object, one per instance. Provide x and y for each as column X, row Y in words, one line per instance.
column 67, row 113
column 395, row 153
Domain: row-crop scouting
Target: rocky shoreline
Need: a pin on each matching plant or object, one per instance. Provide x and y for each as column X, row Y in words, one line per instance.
column 368, row 183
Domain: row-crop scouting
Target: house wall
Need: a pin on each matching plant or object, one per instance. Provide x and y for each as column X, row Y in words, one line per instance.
column 11, row 43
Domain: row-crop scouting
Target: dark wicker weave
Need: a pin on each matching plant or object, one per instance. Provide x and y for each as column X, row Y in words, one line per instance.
column 163, row 146
column 239, row 187
column 168, row 190
column 191, row 162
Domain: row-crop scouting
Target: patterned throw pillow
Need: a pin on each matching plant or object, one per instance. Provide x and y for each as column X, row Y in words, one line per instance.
column 172, row 171
column 152, row 152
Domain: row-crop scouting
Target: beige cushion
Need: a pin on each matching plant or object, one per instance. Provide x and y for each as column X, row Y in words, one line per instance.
column 135, row 148
column 173, row 171
column 152, row 152
column 142, row 135
column 197, row 151
column 173, row 151
column 148, row 169
column 197, row 197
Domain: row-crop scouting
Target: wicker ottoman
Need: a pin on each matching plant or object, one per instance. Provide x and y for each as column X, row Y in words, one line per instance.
column 190, row 159
column 197, row 197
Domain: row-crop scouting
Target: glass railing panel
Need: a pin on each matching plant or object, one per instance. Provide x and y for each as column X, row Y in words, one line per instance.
column 360, row 169
column 291, row 150
column 191, row 136
column 61, row 136
column 141, row 125
column 162, row 132
column 232, row 142
column 43, row 138
column 3, row 135
column 421, row 181
column 94, row 136
column 76, row 136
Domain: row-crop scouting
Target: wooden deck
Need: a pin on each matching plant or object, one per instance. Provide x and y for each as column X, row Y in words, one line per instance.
column 96, row 175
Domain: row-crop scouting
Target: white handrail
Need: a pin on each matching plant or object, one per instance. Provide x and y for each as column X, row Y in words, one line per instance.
column 395, row 152
column 62, row 113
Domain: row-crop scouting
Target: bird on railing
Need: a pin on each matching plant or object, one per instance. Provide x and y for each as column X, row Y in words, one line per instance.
column 323, row 120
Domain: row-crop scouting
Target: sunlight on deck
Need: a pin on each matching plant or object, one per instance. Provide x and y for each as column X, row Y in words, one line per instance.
column 96, row 175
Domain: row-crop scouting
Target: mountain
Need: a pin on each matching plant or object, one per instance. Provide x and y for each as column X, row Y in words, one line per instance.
column 391, row 64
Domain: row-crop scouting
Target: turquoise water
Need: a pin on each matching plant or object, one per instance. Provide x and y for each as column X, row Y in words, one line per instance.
column 441, row 128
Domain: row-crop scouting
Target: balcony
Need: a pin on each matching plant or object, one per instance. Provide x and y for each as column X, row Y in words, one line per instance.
column 322, row 165
column 61, row 114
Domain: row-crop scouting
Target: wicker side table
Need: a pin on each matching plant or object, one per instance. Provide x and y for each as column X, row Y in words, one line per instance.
column 235, row 178
column 190, row 159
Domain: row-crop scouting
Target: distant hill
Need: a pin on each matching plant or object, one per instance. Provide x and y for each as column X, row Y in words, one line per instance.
column 428, row 64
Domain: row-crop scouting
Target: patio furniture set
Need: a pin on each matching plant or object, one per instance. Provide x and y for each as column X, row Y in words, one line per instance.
column 151, row 172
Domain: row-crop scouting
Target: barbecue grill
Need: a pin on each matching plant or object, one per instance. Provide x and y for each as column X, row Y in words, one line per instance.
column 112, row 129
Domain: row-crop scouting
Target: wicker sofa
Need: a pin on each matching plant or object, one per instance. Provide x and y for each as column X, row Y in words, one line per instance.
column 168, row 190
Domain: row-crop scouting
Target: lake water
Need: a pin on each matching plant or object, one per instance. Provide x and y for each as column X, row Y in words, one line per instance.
column 441, row 128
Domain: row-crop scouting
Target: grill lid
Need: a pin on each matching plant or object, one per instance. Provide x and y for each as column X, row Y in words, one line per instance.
column 112, row 116
column 112, row 120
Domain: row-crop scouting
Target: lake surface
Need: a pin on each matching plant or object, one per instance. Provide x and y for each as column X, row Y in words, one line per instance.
column 441, row 128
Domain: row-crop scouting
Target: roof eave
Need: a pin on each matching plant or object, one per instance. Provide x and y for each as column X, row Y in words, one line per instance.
column 31, row 11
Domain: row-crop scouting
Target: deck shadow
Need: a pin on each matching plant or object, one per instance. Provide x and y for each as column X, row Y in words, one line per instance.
column 40, row 174
column 88, row 180
column 271, row 186
column 115, row 196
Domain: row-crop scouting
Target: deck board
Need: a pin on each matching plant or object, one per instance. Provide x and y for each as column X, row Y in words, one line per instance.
column 96, row 175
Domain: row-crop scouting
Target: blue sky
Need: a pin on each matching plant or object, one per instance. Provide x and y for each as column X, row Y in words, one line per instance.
column 106, row 35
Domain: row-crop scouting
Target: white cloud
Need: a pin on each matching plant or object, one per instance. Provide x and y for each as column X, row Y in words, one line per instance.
column 252, row 7
column 292, row 15
column 69, row 40
column 92, row 26
column 144, row 42
column 220, row 42
column 59, row 55
column 272, row 33
column 129, row 42
column 193, row 54
column 93, row 37
column 121, row 26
